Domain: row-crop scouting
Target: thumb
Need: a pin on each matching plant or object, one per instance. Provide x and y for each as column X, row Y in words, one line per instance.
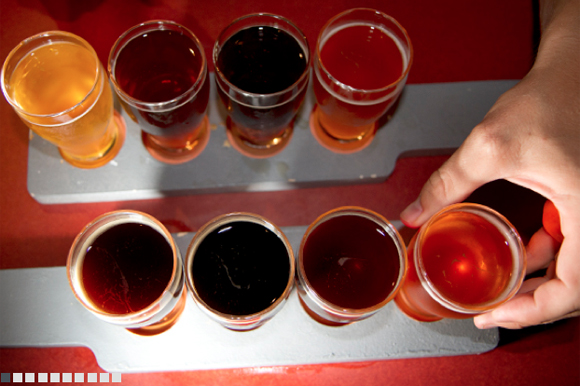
column 466, row 170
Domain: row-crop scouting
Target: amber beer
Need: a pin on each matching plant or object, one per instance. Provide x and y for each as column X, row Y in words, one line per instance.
column 57, row 85
column 466, row 260
column 361, row 63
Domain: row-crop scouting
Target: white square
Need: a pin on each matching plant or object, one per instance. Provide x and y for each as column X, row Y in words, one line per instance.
column 67, row 377
column 17, row 377
column 79, row 377
column 92, row 377
column 55, row 377
column 104, row 377
column 43, row 377
column 29, row 377
column 116, row 377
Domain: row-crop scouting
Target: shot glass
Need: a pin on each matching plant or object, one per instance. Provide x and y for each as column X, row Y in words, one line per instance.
column 351, row 263
column 466, row 260
column 159, row 70
column 56, row 84
column 240, row 270
column 125, row 268
column 361, row 63
column 262, row 66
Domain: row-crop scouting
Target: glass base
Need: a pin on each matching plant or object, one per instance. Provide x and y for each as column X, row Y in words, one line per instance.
column 406, row 308
column 319, row 318
column 338, row 145
column 257, row 151
column 178, row 155
column 166, row 323
column 111, row 153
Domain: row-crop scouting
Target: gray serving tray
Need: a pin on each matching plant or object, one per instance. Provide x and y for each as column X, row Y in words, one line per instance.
column 38, row 309
column 430, row 118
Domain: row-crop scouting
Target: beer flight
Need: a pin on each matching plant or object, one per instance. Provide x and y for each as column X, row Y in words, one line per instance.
column 240, row 269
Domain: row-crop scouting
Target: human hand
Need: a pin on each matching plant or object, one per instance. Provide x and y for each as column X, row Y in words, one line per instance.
column 531, row 137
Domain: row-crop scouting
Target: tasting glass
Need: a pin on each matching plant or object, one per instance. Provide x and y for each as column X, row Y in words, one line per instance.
column 345, row 118
column 231, row 321
column 313, row 302
column 162, row 313
column 421, row 299
column 174, row 130
column 56, row 84
column 260, row 125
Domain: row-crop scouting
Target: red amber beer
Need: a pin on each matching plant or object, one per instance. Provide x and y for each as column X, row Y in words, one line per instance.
column 466, row 260
column 125, row 268
column 361, row 63
column 57, row 85
column 159, row 71
column 351, row 263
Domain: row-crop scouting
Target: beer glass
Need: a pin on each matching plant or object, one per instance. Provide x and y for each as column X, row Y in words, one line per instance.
column 125, row 268
column 240, row 270
column 466, row 260
column 159, row 70
column 351, row 263
column 361, row 63
column 261, row 64
column 59, row 88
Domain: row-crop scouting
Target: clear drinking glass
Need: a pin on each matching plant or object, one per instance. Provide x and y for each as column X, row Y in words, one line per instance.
column 125, row 268
column 466, row 260
column 361, row 63
column 159, row 70
column 240, row 270
column 351, row 263
column 56, row 84
column 262, row 66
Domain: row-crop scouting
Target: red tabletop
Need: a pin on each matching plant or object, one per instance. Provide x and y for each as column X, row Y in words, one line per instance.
column 454, row 40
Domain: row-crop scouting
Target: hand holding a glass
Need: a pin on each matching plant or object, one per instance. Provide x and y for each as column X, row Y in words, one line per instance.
column 531, row 138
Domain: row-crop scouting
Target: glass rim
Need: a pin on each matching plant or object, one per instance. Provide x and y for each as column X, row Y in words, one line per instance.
column 148, row 26
column 305, row 74
column 133, row 317
column 360, row 90
column 519, row 260
column 200, row 236
column 47, row 34
column 377, row 219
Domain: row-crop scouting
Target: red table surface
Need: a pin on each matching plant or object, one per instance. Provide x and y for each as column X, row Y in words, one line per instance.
column 454, row 40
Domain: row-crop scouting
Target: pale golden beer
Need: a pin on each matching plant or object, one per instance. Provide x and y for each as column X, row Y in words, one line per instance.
column 57, row 85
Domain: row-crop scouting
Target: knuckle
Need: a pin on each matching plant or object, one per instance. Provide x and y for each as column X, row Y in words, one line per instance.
column 441, row 184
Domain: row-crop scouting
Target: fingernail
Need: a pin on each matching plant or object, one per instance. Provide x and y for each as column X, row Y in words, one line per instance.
column 483, row 324
column 412, row 212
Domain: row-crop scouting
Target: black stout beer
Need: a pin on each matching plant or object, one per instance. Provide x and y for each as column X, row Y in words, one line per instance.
column 262, row 66
column 240, row 270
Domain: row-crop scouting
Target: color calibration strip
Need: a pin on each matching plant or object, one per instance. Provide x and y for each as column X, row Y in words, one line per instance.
column 60, row 378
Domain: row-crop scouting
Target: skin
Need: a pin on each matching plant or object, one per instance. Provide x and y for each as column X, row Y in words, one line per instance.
column 531, row 137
